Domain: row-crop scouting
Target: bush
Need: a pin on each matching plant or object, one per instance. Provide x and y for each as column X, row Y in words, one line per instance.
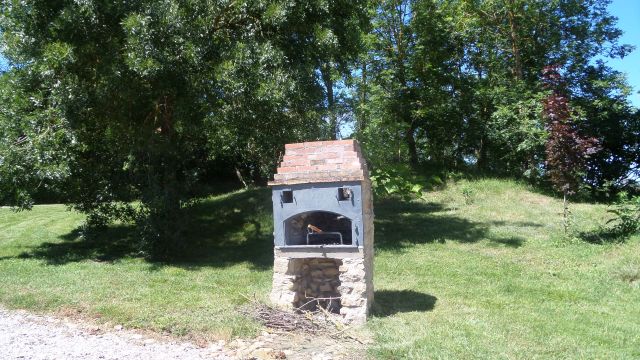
column 627, row 215
column 395, row 182
column 625, row 223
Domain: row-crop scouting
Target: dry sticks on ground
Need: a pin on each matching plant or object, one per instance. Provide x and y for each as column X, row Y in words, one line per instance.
column 320, row 321
column 281, row 320
column 300, row 320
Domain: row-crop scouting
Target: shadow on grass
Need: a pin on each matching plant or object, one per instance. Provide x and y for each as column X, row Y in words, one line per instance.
column 107, row 244
column 221, row 232
column 603, row 235
column 403, row 224
column 390, row 302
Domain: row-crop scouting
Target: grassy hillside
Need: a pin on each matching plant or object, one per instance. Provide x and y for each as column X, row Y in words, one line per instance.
column 480, row 269
column 499, row 279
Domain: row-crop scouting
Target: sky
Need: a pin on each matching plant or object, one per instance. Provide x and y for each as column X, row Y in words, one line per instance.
column 628, row 14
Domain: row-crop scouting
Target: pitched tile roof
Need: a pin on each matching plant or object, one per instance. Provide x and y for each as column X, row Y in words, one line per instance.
column 321, row 161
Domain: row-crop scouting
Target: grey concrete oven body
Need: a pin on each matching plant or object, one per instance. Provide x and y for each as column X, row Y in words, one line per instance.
column 311, row 198
column 323, row 229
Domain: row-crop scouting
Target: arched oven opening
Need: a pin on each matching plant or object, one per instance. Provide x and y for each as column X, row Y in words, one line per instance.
column 318, row 228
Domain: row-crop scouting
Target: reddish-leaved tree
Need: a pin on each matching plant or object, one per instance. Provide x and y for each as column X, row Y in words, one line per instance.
column 566, row 150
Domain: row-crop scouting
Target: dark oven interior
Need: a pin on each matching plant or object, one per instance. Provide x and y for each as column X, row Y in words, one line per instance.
column 318, row 228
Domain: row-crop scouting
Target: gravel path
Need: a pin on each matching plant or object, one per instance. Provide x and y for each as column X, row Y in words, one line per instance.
column 40, row 337
column 27, row 336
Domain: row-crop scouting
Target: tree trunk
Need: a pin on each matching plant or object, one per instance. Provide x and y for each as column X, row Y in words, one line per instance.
column 515, row 47
column 328, row 84
column 411, row 145
column 483, row 154
column 241, row 178
column 565, row 212
column 363, row 99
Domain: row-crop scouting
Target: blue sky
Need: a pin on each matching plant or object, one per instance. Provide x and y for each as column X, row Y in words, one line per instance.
column 628, row 14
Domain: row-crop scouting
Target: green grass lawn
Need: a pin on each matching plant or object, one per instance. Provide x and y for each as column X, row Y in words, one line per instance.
column 480, row 269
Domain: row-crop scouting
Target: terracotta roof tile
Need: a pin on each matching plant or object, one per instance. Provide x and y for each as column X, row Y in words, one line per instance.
column 321, row 161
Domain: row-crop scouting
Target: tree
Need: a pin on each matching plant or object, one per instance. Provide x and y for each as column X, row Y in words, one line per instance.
column 387, row 62
column 566, row 149
column 405, row 82
column 152, row 91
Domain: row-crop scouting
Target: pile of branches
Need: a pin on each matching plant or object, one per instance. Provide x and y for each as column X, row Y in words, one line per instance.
column 319, row 321
column 312, row 322
column 279, row 319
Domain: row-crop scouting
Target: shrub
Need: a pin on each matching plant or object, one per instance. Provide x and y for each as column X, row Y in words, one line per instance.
column 627, row 215
column 394, row 182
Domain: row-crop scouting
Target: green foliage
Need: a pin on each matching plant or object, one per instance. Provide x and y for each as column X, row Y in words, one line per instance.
column 36, row 142
column 458, row 82
column 623, row 223
column 468, row 193
column 516, row 128
column 395, row 181
column 627, row 215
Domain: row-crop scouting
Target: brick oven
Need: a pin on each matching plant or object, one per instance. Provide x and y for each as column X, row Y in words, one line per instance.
column 323, row 229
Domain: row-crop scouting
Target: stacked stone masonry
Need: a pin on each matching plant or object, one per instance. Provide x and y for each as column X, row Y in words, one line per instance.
column 317, row 283
column 298, row 281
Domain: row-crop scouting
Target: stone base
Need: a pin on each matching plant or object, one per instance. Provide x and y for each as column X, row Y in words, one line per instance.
column 297, row 281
